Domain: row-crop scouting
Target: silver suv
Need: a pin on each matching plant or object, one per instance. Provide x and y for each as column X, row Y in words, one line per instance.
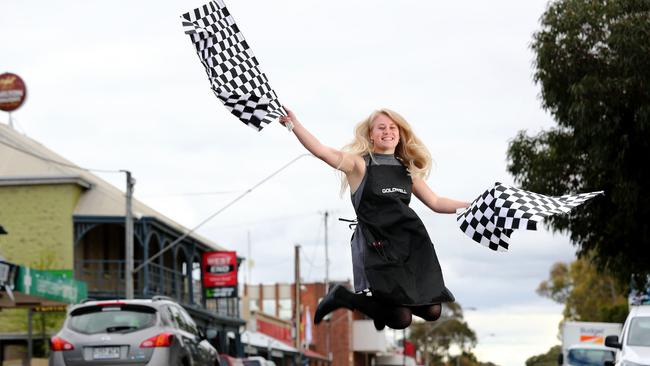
column 130, row 332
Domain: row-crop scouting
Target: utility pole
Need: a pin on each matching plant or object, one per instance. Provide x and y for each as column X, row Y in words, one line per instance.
column 249, row 264
column 327, row 287
column 327, row 257
column 128, row 273
column 297, row 299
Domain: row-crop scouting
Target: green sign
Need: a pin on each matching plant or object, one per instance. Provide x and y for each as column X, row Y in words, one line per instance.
column 50, row 285
column 221, row 292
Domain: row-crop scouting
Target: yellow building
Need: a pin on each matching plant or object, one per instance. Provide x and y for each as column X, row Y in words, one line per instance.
column 59, row 217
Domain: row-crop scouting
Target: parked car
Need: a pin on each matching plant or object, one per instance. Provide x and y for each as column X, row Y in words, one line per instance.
column 227, row 360
column 634, row 342
column 257, row 361
column 134, row 332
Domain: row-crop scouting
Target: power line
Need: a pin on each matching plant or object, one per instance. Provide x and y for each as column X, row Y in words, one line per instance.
column 12, row 146
column 190, row 194
column 302, row 215
column 179, row 239
column 309, row 260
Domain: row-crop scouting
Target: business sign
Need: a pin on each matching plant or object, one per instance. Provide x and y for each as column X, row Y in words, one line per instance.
column 12, row 92
column 220, row 274
column 50, row 285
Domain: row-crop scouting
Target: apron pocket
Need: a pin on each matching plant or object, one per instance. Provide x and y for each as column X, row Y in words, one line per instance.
column 380, row 247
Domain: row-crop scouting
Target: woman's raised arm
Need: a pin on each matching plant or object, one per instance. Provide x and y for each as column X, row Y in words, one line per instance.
column 335, row 158
column 438, row 204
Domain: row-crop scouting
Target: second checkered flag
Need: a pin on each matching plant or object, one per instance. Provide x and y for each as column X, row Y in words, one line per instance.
column 232, row 68
column 492, row 217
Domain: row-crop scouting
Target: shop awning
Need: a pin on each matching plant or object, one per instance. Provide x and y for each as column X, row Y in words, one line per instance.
column 261, row 340
column 275, row 346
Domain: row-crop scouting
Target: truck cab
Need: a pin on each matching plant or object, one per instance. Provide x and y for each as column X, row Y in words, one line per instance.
column 634, row 342
column 588, row 355
column 583, row 343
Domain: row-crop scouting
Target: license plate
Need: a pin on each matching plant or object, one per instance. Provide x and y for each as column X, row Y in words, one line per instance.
column 105, row 353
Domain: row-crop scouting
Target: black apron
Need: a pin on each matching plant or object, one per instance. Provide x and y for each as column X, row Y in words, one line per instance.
column 400, row 263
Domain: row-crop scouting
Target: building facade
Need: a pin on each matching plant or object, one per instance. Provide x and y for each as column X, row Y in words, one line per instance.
column 66, row 220
column 345, row 338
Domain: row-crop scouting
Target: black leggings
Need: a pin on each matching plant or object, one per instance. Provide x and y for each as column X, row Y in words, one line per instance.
column 399, row 317
column 396, row 317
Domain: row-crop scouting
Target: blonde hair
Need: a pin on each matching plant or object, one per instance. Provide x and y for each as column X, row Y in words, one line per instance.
column 409, row 150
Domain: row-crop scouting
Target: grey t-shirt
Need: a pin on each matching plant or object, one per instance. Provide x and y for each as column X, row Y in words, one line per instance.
column 358, row 240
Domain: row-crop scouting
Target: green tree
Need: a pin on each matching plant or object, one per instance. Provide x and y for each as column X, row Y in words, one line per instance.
column 593, row 68
column 434, row 339
column 587, row 294
column 468, row 359
column 545, row 359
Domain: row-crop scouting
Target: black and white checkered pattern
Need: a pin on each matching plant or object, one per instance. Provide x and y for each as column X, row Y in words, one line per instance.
column 493, row 216
column 232, row 68
column 477, row 223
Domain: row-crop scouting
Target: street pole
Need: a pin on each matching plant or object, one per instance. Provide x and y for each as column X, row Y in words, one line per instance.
column 30, row 341
column 297, row 294
column 297, row 302
column 128, row 273
column 327, row 287
column 404, row 347
column 249, row 264
column 438, row 323
column 327, row 256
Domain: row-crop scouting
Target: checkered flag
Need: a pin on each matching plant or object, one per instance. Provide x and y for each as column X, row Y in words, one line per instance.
column 477, row 223
column 492, row 217
column 233, row 70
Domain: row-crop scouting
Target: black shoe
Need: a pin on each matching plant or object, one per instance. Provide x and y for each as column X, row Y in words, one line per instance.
column 379, row 325
column 334, row 300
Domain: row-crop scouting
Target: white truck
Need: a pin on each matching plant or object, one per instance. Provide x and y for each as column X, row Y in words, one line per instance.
column 583, row 343
column 634, row 344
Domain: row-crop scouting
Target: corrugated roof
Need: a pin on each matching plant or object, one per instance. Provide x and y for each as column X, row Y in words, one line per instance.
column 23, row 158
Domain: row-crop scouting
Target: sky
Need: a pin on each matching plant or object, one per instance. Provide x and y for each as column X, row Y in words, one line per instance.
column 117, row 85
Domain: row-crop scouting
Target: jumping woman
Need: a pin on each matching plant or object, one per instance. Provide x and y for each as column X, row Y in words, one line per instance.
column 395, row 267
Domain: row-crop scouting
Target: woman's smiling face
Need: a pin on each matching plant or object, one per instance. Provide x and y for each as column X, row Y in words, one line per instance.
column 384, row 134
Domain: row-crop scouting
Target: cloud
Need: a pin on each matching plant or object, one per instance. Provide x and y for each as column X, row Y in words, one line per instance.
column 115, row 85
column 508, row 335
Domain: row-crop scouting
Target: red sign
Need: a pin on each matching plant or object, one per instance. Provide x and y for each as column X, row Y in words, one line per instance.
column 219, row 270
column 409, row 348
column 12, row 92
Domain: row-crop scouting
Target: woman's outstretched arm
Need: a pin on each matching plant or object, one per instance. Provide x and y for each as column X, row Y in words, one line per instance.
column 335, row 158
column 438, row 204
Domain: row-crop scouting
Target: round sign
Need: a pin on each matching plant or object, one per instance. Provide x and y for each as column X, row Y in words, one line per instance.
column 12, row 92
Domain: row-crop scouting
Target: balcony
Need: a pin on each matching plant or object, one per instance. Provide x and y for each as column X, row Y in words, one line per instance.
column 105, row 279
